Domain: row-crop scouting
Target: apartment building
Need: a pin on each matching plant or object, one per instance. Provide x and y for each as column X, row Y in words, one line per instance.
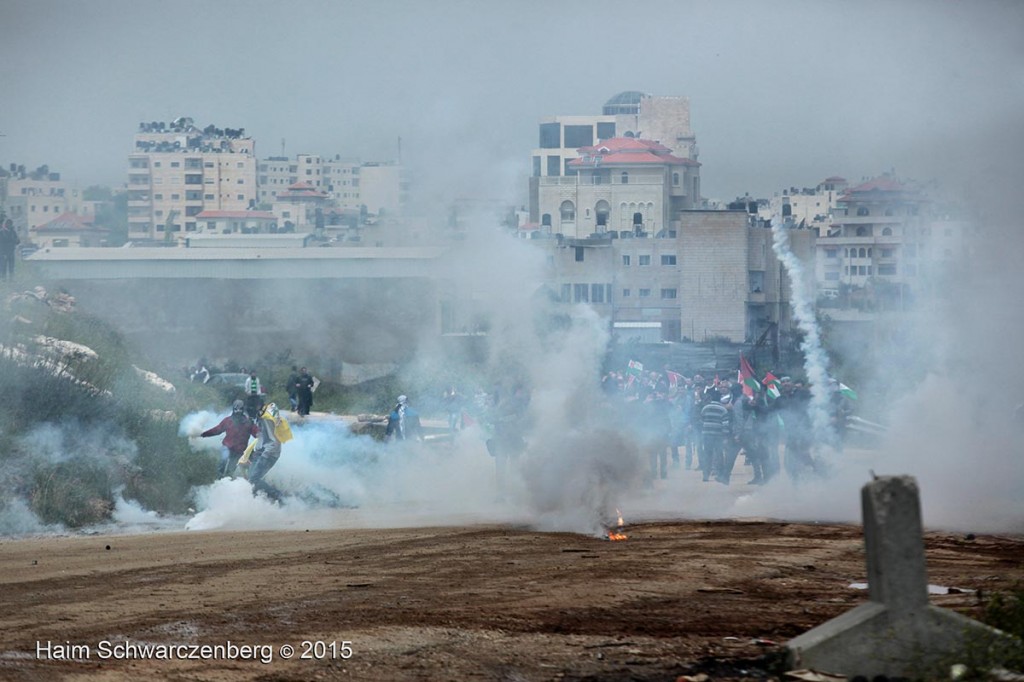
column 32, row 199
column 349, row 185
column 629, row 114
column 176, row 171
column 887, row 239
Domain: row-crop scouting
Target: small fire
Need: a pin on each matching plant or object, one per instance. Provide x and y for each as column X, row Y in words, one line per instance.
column 617, row 534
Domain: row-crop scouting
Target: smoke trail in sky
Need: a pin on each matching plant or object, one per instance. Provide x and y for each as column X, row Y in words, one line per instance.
column 815, row 358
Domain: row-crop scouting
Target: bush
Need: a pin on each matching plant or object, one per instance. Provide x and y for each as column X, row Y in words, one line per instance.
column 75, row 493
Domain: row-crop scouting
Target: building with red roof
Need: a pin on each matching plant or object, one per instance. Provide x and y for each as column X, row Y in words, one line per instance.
column 626, row 185
column 69, row 229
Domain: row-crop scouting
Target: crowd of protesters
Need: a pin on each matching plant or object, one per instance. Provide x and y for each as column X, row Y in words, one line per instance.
column 705, row 424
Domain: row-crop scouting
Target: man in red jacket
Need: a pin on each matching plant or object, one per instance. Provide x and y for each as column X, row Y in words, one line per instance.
column 237, row 429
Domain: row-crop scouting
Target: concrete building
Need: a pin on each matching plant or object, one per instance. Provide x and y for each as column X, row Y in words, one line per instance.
column 879, row 236
column 715, row 277
column 628, row 114
column 623, row 184
column 231, row 222
column 811, row 207
column 177, row 171
column 275, row 175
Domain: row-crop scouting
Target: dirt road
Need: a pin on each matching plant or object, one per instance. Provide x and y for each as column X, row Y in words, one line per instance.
column 488, row 603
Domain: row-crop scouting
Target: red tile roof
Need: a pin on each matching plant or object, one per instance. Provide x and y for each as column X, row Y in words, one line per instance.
column 71, row 222
column 631, row 159
column 629, row 151
column 622, row 144
column 240, row 215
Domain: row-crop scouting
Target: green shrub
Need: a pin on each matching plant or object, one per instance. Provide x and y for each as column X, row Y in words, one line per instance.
column 75, row 493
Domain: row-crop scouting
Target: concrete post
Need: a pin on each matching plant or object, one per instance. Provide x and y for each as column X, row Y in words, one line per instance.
column 897, row 633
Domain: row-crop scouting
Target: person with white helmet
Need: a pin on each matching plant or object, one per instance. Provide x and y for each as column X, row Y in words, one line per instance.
column 403, row 422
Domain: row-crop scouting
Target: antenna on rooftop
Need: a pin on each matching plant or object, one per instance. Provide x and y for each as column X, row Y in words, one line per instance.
column 282, row 146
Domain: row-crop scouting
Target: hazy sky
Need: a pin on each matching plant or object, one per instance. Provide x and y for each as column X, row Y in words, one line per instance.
column 782, row 92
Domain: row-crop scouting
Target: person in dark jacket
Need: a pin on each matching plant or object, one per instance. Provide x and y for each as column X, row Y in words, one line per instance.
column 8, row 242
column 304, row 391
column 236, row 429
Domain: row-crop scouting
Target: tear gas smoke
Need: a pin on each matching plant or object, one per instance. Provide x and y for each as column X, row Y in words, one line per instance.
column 815, row 358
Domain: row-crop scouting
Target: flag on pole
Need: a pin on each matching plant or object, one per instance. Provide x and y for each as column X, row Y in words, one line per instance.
column 847, row 391
column 771, row 386
column 467, row 421
column 635, row 367
column 673, row 379
column 746, row 377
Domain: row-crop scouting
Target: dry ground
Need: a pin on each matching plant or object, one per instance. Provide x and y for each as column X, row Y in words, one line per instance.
column 487, row 603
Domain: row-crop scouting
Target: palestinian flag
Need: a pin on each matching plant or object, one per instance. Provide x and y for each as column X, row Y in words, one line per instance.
column 746, row 377
column 771, row 386
column 847, row 391
column 635, row 367
column 673, row 379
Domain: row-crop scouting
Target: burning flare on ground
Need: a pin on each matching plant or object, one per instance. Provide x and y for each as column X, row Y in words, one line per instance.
column 616, row 533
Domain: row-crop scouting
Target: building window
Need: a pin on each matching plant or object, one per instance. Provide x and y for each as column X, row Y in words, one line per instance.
column 581, row 293
column 208, row 197
column 550, row 135
column 645, row 293
column 756, row 278
column 605, row 131
column 567, row 211
column 830, row 253
column 886, row 253
column 863, row 210
column 668, row 260
column 625, row 178
column 886, row 231
column 554, row 165
column 644, row 260
column 625, row 293
column 886, row 269
column 675, row 179
column 625, row 260
column 579, row 254
column 668, row 293
column 597, row 293
column 579, row 136
column 863, row 253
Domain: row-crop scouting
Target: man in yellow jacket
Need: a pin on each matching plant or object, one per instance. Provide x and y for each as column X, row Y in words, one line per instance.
column 263, row 453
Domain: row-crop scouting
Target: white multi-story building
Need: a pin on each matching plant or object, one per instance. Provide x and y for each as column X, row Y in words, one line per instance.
column 629, row 114
column 35, row 198
column 349, row 185
column 176, row 171
column 624, row 185
column 874, row 235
